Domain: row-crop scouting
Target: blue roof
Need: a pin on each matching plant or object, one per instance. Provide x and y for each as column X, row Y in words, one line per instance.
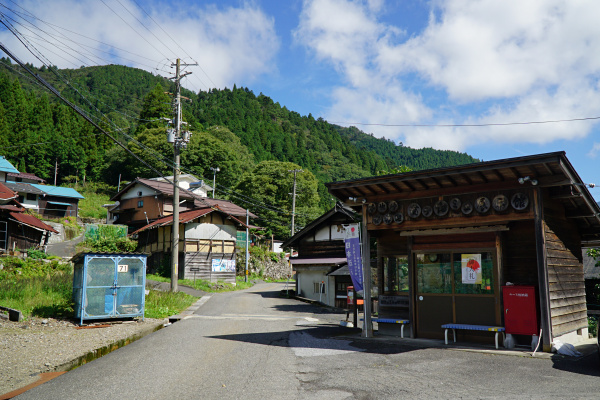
column 6, row 166
column 58, row 191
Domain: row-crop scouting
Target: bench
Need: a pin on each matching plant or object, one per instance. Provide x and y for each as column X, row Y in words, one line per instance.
column 393, row 321
column 468, row 327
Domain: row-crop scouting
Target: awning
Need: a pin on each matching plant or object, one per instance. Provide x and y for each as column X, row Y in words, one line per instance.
column 318, row 261
column 59, row 204
column 341, row 271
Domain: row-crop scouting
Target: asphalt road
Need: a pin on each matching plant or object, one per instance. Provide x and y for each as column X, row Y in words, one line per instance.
column 257, row 345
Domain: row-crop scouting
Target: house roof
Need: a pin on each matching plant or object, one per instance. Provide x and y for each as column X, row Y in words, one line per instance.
column 551, row 170
column 10, row 207
column 58, row 191
column 318, row 261
column 21, row 187
column 339, row 208
column 6, row 166
column 6, row 193
column 25, row 175
column 166, row 189
column 31, row 221
column 184, row 218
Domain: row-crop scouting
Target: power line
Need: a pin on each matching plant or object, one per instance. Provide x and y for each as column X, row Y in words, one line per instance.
column 467, row 125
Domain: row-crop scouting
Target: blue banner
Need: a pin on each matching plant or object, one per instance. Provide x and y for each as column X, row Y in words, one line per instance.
column 353, row 256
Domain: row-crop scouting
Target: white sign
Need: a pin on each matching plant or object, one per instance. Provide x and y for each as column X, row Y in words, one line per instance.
column 471, row 268
column 123, row 268
column 223, row 265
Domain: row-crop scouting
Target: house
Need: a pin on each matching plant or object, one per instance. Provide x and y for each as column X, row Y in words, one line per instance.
column 49, row 201
column 17, row 229
column 189, row 182
column 321, row 268
column 469, row 234
column 142, row 201
column 56, row 202
column 207, row 239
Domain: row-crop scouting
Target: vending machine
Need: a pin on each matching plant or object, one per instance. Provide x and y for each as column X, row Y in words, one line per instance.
column 520, row 310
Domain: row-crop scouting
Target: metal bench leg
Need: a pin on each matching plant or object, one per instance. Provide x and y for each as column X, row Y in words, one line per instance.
column 454, row 334
column 496, row 340
column 446, row 335
column 402, row 331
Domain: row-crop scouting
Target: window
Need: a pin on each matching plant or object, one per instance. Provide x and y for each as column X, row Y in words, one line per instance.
column 140, row 204
column 319, row 287
column 446, row 273
column 395, row 275
column 140, row 194
column 31, row 197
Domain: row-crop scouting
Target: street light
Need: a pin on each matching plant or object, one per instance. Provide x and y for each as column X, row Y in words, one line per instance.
column 214, row 170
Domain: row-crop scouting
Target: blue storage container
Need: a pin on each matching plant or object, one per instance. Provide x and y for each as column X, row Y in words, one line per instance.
column 109, row 286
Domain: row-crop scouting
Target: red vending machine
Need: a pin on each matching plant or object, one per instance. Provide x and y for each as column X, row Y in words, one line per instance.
column 520, row 310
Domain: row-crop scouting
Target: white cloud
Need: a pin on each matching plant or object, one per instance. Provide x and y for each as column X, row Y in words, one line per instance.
column 594, row 150
column 230, row 44
column 509, row 61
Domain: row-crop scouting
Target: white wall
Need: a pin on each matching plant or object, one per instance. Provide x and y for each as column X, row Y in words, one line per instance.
column 306, row 280
column 133, row 192
column 210, row 231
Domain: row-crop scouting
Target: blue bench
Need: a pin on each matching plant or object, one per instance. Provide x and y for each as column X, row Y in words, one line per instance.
column 393, row 321
column 468, row 327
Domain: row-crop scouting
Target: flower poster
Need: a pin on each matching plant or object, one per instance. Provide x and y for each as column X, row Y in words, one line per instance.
column 471, row 268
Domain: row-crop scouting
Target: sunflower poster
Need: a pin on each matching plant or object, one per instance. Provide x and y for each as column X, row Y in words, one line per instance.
column 471, row 268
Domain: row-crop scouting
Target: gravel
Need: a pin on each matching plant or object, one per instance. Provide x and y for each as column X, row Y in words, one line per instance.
column 38, row 345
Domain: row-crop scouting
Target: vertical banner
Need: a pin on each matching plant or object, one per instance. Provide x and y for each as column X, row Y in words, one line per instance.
column 353, row 256
column 471, row 268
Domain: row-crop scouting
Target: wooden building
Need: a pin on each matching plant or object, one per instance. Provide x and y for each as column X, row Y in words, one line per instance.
column 207, row 238
column 321, row 267
column 449, row 240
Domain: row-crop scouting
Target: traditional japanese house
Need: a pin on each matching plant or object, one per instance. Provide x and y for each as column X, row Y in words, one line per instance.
column 450, row 240
column 207, row 238
column 321, row 267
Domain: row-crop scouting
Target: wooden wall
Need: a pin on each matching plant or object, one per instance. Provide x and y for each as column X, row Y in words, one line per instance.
column 568, row 310
column 22, row 237
column 519, row 254
column 203, row 261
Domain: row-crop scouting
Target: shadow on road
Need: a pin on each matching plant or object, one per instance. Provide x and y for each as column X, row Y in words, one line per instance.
column 318, row 337
column 586, row 365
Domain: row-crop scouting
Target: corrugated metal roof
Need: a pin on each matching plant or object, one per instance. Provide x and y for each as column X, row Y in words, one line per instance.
column 6, row 166
column 11, row 207
column 58, row 191
column 32, row 221
column 25, row 175
column 318, row 261
column 6, row 193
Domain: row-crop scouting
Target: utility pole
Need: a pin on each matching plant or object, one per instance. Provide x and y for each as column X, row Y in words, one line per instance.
column 214, row 170
column 247, row 237
column 179, row 140
column 295, row 171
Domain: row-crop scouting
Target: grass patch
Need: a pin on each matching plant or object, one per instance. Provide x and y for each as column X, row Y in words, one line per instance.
column 163, row 304
column 206, row 286
column 95, row 195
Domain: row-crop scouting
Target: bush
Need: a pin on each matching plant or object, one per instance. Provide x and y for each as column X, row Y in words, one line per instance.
column 36, row 254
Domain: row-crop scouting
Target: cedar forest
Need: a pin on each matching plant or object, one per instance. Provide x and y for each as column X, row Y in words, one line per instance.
column 253, row 140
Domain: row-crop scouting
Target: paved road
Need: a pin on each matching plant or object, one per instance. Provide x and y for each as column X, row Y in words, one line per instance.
column 64, row 249
column 257, row 345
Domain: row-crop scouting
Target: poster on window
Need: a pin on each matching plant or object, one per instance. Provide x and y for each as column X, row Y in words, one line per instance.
column 471, row 268
column 352, row 244
column 223, row 265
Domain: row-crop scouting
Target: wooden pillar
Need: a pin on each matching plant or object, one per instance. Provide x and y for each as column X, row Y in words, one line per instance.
column 542, row 269
column 412, row 289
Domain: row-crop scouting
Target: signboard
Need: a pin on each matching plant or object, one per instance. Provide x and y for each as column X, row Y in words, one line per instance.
column 240, row 240
column 223, row 265
column 353, row 256
column 471, row 268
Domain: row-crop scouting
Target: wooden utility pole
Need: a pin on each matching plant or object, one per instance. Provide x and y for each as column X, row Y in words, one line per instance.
column 295, row 171
column 179, row 140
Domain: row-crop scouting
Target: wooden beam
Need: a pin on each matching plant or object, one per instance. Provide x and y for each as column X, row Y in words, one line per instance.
column 542, row 270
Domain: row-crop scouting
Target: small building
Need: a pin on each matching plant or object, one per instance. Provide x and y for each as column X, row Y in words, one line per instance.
column 463, row 233
column 57, row 202
column 142, row 201
column 207, row 238
column 321, row 267
column 17, row 229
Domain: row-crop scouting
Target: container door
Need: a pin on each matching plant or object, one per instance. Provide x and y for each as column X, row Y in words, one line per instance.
column 520, row 310
column 131, row 277
column 99, row 292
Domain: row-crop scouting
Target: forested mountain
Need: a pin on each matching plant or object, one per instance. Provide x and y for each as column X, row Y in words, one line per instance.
column 233, row 129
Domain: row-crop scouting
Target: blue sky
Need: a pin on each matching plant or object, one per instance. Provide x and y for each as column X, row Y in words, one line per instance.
column 365, row 62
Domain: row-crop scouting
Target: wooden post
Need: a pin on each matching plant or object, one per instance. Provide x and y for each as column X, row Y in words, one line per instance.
column 542, row 269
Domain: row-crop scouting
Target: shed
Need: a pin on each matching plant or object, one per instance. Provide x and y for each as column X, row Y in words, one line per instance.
column 109, row 285
column 523, row 220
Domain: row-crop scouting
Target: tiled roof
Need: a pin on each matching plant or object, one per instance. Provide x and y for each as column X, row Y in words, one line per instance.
column 224, row 205
column 25, row 175
column 32, row 221
column 58, row 191
column 6, row 166
column 20, row 187
column 184, row 218
column 6, row 193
